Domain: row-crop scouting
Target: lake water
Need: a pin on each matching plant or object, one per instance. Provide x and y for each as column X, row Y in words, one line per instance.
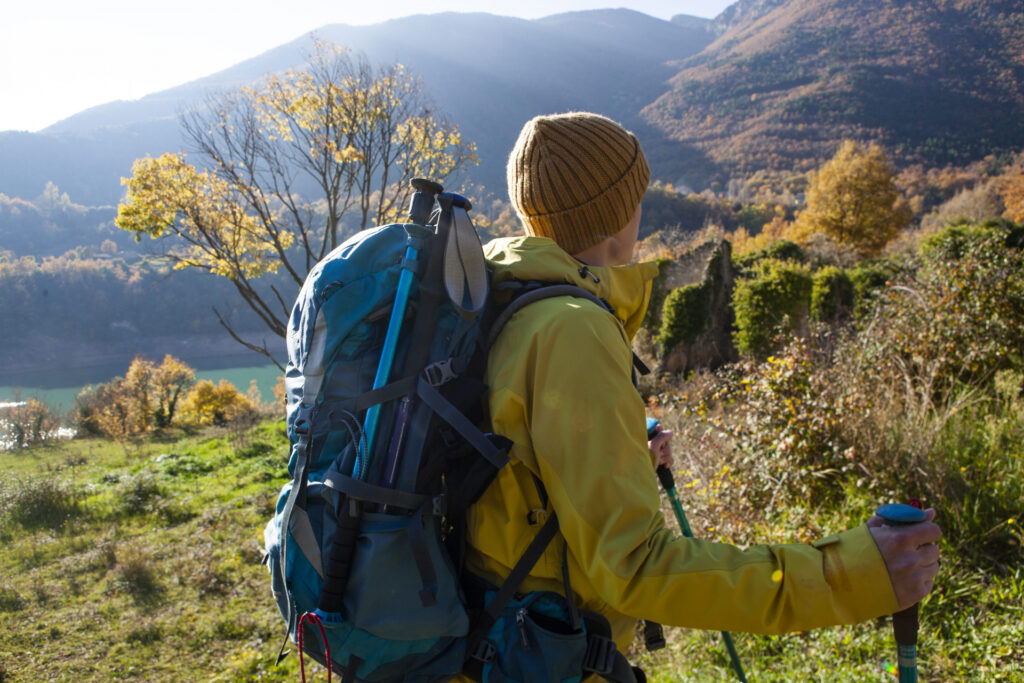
column 58, row 389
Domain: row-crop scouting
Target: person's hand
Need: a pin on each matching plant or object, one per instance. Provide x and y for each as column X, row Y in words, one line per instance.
column 911, row 555
column 661, row 447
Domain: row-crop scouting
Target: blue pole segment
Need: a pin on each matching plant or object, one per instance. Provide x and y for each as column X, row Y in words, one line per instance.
column 387, row 358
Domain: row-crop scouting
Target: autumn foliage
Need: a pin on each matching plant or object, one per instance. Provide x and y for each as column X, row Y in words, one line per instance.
column 854, row 200
column 286, row 170
column 215, row 404
column 155, row 396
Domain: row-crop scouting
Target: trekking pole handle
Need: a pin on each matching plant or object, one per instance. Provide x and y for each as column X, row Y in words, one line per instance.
column 905, row 622
column 422, row 202
column 339, row 562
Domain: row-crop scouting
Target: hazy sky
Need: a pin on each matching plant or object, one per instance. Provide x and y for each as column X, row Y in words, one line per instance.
column 58, row 57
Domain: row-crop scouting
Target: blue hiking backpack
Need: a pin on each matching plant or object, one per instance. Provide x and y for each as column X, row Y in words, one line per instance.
column 386, row 348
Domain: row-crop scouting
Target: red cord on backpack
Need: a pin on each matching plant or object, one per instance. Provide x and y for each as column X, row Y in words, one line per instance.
column 327, row 648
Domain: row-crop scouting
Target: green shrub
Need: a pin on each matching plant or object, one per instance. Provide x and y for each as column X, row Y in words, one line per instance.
column 656, row 304
column 37, row 502
column 786, row 419
column 832, row 294
column 137, row 494
column 868, row 277
column 785, row 250
column 960, row 315
column 11, row 600
column 684, row 315
column 779, row 250
column 956, row 240
column 778, row 296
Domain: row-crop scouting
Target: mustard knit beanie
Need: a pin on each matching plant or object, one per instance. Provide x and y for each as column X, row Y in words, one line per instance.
column 576, row 178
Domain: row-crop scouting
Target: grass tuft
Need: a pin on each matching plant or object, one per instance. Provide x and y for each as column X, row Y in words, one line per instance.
column 10, row 600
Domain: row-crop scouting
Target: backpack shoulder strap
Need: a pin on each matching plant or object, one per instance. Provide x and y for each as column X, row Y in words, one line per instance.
column 526, row 293
column 531, row 292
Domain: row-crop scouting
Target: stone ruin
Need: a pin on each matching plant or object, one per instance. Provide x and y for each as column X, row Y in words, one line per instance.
column 710, row 263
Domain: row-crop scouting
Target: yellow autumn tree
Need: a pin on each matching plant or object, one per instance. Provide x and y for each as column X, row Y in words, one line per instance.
column 208, row 403
column 146, row 397
column 170, row 380
column 1011, row 188
column 279, row 173
column 853, row 199
column 137, row 396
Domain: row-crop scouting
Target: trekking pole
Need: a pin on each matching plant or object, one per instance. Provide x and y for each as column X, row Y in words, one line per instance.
column 420, row 208
column 422, row 202
column 668, row 483
column 905, row 622
column 431, row 297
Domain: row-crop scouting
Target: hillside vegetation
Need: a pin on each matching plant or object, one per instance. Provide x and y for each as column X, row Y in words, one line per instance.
column 936, row 82
column 140, row 557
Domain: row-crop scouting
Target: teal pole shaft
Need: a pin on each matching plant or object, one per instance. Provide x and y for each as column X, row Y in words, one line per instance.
column 669, row 484
column 387, row 356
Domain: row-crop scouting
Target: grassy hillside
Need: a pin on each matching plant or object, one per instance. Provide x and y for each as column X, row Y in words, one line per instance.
column 141, row 565
column 145, row 565
column 142, row 561
column 938, row 82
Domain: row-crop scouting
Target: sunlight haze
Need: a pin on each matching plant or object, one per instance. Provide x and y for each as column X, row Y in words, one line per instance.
column 58, row 58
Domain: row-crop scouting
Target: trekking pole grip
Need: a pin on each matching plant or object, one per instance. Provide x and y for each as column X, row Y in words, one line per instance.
column 905, row 623
column 666, row 478
column 422, row 202
column 339, row 560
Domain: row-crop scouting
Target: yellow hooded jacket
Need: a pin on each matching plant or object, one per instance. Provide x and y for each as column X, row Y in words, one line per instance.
column 561, row 390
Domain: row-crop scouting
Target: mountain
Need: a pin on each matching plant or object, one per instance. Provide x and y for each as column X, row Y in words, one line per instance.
column 936, row 81
column 488, row 73
column 768, row 84
column 690, row 21
column 740, row 12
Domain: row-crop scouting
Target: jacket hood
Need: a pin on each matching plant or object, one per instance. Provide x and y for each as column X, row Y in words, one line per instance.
column 626, row 288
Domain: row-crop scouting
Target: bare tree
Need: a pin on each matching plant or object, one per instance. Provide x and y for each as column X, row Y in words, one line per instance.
column 292, row 166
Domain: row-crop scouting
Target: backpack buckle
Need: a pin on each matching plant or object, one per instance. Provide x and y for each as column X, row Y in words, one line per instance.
column 440, row 372
column 439, row 505
column 485, row 651
column 654, row 636
column 303, row 420
column 600, row 655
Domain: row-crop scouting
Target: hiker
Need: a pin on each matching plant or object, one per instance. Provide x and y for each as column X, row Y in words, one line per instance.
column 560, row 377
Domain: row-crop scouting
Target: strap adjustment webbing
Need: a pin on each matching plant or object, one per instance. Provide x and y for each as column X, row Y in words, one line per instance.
column 600, row 655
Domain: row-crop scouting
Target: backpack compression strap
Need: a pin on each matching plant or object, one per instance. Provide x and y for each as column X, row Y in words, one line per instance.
column 601, row 657
column 294, row 519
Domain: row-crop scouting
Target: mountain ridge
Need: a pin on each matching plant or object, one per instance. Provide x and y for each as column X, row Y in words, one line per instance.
column 936, row 81
column 547, row 63
column 767, row 85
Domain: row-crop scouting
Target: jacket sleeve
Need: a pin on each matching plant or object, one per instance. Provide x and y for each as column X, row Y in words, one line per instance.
column 586, row 424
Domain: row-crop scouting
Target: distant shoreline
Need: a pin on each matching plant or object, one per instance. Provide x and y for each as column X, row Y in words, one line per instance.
column 50, row 361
